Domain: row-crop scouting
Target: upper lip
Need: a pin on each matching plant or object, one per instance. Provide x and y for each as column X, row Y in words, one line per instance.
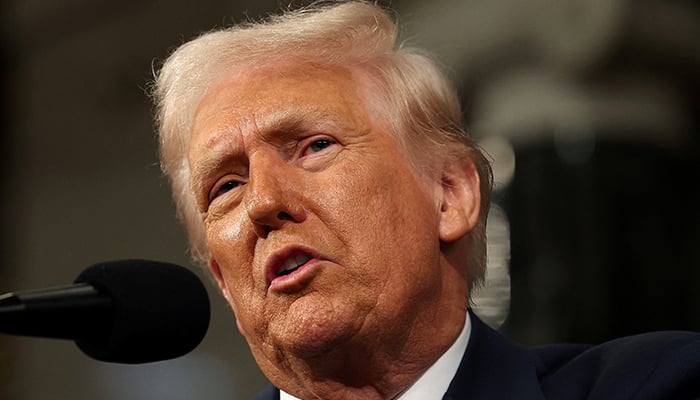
column 288, row 257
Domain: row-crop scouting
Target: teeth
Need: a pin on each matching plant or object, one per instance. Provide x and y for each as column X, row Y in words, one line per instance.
column 294, row 262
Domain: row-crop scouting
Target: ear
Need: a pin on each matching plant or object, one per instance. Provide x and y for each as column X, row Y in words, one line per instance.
column 461, row 199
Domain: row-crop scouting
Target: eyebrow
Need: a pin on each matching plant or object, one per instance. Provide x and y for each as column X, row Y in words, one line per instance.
column 296, row 121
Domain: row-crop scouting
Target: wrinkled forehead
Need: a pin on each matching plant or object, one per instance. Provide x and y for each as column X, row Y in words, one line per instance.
column 283, row 98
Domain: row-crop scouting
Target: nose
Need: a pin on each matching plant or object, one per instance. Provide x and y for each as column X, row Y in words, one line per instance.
column 271, row 198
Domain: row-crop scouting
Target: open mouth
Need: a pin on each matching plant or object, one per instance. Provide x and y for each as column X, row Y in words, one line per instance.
column 291, row 268
column 292, row 264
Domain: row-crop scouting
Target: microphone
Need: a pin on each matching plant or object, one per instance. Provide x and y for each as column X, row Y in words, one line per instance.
column 129, row 311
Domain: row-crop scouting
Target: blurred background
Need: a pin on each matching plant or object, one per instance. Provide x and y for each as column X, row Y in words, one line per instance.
column 588, row 109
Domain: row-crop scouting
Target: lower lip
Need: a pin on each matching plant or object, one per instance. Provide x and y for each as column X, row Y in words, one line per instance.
column 295, row 281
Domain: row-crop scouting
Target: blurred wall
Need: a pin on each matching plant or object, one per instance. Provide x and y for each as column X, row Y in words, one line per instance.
column 590, row 111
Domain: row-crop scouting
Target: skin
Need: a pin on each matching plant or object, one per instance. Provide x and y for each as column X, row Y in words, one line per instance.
column 288, row 161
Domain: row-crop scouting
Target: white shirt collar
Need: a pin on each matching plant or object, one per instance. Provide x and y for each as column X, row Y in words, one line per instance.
column 435, row 381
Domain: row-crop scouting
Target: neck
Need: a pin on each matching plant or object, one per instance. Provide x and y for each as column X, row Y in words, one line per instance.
column 361, row 370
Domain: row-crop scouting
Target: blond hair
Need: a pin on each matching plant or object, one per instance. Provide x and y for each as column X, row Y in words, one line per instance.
column 419, row 102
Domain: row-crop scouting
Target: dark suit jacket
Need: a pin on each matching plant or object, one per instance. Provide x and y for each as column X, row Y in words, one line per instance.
column 663, row 365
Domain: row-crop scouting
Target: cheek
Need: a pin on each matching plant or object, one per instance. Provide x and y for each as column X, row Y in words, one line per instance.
column 231, row 247
column 239, row 286
column 385, row 198
column 224, row 229
column 349, row 207
column 381, row 213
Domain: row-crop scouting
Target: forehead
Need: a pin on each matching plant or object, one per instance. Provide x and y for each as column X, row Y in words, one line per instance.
column 256, row 100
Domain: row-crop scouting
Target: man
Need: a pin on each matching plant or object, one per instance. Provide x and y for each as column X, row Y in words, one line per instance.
column 325, row 180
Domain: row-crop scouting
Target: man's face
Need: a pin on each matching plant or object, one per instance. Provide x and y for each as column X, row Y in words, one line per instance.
column 321, row 232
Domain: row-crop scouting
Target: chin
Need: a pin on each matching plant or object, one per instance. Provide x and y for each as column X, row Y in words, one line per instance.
column 308, row 342
column 313, row 334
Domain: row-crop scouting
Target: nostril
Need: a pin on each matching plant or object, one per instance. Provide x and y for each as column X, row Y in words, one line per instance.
column 284, row 216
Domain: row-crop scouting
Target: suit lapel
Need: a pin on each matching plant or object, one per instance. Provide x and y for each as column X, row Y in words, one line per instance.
column 494, row 368
column 270, row 393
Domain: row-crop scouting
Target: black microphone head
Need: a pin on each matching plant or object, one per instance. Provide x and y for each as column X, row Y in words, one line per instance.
column 159, row 311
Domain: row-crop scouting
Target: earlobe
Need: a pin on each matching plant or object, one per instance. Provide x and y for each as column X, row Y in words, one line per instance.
column 461, row 199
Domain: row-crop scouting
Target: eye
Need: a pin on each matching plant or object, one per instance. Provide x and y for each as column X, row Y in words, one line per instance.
column 318, row 145
column 223, row 188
